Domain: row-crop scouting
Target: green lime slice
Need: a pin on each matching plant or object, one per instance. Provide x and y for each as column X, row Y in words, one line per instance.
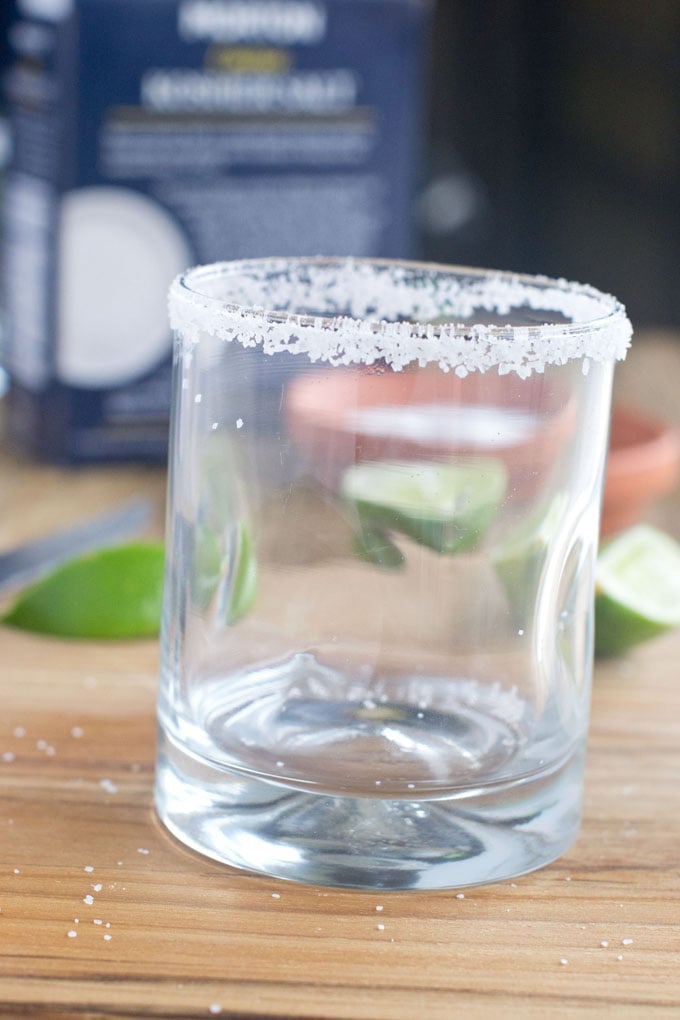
column 637, row 589
column 113, row 593
column 444, row 506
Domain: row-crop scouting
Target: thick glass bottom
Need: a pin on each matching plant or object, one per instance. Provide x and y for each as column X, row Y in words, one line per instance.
column 487, row 834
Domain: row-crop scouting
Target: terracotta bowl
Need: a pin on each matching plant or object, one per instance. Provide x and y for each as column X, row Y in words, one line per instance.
column 644, row 464
column 329, row 416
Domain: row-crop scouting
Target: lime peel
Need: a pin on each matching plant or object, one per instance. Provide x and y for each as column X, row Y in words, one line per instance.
column 637, row 589
column 446, row 506
column 115, row 592
column 244, row 591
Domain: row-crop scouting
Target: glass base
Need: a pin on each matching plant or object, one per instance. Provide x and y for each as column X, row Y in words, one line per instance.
column 493, row 833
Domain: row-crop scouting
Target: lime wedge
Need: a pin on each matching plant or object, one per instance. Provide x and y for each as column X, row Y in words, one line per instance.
column 211, row 569
column 444, row 506
column 244, row 588
column 637, row 589
column 374, row 545
column 113, row 593
column 519, row 558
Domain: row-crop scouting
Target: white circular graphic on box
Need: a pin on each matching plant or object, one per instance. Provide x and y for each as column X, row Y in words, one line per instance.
column 118, row 253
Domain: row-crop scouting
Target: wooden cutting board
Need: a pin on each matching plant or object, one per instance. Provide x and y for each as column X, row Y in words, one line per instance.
column 103, row 914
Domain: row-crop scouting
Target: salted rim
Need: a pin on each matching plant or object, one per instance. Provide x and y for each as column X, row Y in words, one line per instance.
column 364, row 296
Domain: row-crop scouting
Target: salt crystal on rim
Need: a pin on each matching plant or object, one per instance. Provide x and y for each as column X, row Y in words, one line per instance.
column 389, row 310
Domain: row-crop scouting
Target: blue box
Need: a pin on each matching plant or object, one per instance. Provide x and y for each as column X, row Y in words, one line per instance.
column 150, row 135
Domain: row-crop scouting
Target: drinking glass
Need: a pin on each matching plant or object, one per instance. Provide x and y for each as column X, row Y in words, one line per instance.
column 384, row 497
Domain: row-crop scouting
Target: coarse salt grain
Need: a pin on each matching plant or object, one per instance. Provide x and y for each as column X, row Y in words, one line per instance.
column 276, row 895
column 8, row 756
column 88, row 868
column 19, row 731
column 604, row 943
column 98, row 887
column 215, row 1008
column 626, row 942
column 89, row 899
column 408, row 300
column 77, row 732
column 108, row 785
column 564, row 961
column 380, row 907
column 97, row 920
column 71, row 934
column 107, row 938
column 142, row 850
column 460, row 895
column 380, row 927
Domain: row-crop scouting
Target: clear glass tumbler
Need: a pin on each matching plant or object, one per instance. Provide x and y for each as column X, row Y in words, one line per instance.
column 384, row 498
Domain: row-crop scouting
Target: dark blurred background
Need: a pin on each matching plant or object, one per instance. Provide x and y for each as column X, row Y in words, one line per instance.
column 553, row 143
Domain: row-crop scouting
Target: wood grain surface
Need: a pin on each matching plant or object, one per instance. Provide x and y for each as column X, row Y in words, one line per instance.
column 103, row 914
